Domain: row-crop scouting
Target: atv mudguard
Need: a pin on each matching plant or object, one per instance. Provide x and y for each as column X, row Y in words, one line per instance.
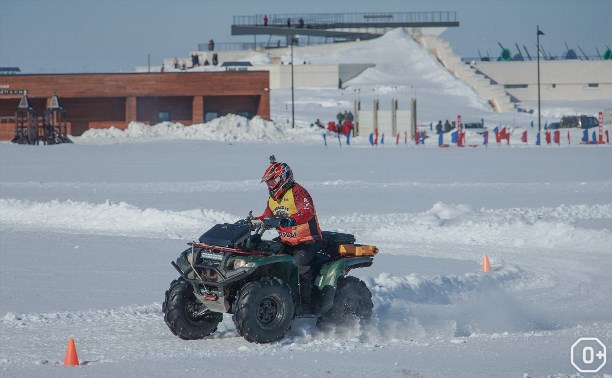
column 281, row 266
column 330, row 272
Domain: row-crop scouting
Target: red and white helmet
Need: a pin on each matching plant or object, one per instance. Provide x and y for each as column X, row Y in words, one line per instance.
column 278, row 177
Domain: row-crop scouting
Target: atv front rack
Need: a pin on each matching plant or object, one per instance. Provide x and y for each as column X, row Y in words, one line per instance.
column 219, row 270
column 227, row 249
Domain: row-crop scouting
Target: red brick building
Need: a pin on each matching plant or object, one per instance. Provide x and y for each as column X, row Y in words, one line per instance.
column 102, row 100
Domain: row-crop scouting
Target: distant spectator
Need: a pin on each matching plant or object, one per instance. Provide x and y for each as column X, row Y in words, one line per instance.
column 183, row 66
column 211, row 45
column 162, row 68
column 195, row 61
column 447, row 126
column 347, row 127
column 265, row 20
column 215, row 59
column 288, row 22
column 301, row 23
column 349, row 116
column 340, row 117
column 439, row 127
column 206, row 62
column 339, row 83
column 176, row 63
column 319, row 123
column 331, row 126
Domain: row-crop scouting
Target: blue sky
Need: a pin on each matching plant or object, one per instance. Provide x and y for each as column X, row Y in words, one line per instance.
column 116, row 35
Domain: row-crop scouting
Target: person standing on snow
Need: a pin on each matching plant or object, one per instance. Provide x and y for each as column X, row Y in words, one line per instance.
column 439, row 127
column 299, row 227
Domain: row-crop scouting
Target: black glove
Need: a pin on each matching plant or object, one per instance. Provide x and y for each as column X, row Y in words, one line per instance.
column 273, row 222
column 287, row 222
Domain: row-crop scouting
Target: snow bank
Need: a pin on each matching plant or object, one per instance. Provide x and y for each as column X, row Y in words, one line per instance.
column 459, row 225
column 108, row 218
column 230, row 128
column 546, row 228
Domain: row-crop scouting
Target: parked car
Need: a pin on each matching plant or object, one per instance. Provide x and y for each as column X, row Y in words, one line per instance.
column 554, row 125
column 582, row 122
column 473, row 125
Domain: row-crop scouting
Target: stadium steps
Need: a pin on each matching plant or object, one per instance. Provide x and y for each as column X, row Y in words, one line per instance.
column 442, row 51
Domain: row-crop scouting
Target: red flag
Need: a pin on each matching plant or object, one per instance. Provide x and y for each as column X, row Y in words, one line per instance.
column 557, row 137
column 568, row 137
column 547, row 134
column 376, row 135
column 416, row 137
column 524, row 137
column 397, row 138
column 405, row 137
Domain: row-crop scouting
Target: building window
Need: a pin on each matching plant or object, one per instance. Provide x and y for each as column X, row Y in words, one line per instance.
column 553, row 86
column 593, row 85
column 244, row 113
column 211, row 114
column 163, row 117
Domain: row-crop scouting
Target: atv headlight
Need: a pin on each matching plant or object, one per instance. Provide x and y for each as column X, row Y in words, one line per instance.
column 239, row 263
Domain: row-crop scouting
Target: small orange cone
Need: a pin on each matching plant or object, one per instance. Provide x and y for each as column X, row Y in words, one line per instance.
column 71, row 358
column 486, row 266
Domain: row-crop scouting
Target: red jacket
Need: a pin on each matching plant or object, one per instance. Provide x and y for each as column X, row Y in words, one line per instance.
column 347, row 127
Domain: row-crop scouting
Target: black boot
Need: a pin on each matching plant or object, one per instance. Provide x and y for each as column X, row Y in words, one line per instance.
column 306, row 294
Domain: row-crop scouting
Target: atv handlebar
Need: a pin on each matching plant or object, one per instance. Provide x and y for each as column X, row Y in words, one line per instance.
column 258, row 226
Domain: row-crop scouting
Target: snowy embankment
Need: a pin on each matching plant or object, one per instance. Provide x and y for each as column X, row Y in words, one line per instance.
column 229, row 128
column 459, row 224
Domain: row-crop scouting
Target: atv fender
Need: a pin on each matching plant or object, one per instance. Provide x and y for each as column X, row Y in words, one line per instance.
column 330, row 272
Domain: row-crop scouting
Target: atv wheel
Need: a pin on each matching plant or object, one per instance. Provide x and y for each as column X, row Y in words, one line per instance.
column 187, row 317
column 353, row 301
column 264, row 310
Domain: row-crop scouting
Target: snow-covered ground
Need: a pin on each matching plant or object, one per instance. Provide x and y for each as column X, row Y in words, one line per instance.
column 88, row 230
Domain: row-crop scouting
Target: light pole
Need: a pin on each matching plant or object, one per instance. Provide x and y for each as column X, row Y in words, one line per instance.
column 292, row 98
column 539, row 33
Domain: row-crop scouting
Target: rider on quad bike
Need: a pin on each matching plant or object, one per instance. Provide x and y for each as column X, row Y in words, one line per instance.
column 299, row 228
column 265, row 284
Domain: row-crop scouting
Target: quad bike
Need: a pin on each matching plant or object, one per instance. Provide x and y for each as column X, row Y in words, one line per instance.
column 233, row 270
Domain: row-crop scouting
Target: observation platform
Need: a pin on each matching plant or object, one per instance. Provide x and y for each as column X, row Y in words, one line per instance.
column 344, row 26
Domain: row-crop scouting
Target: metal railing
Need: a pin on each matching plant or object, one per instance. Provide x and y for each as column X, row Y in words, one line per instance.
column 547, row 58
column 271, row 44
column 347, row 18
column 235, row 46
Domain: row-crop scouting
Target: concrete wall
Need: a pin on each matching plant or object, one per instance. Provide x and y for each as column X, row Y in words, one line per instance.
column 304, row 75
column 385, row 125
column 561, row 80
column 311, row 75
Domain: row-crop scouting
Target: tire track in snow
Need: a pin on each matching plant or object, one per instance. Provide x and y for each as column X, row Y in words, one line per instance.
column 128, row 333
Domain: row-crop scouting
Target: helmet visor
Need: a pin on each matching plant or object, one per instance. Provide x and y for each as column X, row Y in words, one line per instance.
column 272, row 183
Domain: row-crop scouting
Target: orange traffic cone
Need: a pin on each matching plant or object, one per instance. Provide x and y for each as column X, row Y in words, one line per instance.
column 486, row 266
column 71, row 358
